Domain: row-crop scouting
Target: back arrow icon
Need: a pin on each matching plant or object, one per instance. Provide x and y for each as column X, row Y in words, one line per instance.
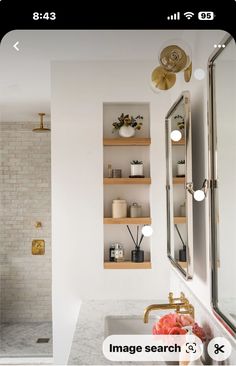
column 15, row 46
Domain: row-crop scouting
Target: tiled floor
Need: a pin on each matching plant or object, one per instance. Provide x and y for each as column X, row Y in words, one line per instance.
column 20, row 339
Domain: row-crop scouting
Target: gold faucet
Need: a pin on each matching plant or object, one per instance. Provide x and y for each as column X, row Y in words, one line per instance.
column 180, row 304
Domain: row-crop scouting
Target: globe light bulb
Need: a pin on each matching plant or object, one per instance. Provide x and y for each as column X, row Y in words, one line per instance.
column 199, row 195
column 147, row 230
column 175, row 135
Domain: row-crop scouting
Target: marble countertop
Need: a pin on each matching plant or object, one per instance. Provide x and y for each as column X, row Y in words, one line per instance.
column 87, row 343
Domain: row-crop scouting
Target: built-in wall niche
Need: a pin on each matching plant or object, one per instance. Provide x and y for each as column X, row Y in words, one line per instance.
column 119, row 152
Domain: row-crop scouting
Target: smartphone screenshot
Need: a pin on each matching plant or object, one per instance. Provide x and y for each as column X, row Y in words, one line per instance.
column 117, row 178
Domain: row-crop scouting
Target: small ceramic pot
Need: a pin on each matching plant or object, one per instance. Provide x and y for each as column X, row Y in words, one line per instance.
column 181, row 170
column 136, row 169
column 127, row 131
column 119, row 209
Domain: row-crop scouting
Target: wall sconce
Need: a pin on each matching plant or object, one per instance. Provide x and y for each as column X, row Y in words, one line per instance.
column 200, row 194
column 176, row 135
column 147, row 230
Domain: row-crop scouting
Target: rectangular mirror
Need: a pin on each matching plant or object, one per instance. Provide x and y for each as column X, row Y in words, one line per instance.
column 222, row 108
column 179, row 173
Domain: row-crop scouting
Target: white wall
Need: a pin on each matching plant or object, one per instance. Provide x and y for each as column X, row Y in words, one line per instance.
column 78, row 92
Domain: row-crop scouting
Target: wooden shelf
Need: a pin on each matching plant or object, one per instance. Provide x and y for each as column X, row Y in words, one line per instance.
column 184, row 265
column 178, row 180
column 127, row 180
column 179, row 143
column 127, row 265
column 128, row 221
column 132, row 141
column 180, row 220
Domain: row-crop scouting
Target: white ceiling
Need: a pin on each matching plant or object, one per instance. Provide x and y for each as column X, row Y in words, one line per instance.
column 25, row 75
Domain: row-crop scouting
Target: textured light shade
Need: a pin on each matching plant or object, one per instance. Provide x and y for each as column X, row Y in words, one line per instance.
column 188, row 72
column 173, row 58
column 163, row 79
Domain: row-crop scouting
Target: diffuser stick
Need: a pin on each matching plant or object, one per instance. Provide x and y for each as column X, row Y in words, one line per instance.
column 141, row 240
column 177, row 229
column 131, row 234
column 137, row 235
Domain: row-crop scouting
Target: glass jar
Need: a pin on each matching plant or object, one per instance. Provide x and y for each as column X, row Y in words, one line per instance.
column 135, row 210
column 119, row 254
column 112, row 253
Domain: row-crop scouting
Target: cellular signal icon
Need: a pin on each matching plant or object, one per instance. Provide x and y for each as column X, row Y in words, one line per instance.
column 175, row 16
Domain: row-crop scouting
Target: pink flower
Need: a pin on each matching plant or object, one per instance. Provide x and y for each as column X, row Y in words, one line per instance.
column 174, row 323
column 199, row 332
column 165, row 324
column 169, row 321
column 158, row 330
column 185, row 320
column 177, row 330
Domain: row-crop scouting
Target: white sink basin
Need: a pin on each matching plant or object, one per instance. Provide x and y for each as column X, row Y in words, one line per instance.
column 128, row 325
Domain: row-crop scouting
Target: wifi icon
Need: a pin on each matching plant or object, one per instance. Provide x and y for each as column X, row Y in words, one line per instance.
column 188, row 14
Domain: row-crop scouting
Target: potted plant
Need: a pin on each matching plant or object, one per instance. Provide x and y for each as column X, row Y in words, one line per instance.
column 180, row 122
column 181, row 168
column 136, row 169
column 127, row 125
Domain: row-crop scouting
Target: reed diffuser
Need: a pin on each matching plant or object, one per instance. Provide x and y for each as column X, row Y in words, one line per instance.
column 137, row 255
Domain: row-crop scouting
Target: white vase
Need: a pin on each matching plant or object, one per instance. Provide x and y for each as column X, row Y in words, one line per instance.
column 136, row 169
column 180, row 170
column 127, row 131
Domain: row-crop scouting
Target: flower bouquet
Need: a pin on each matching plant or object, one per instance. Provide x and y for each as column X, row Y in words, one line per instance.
column 127, row 125
column 127, row 120
column 174, row 323
column 178, row 324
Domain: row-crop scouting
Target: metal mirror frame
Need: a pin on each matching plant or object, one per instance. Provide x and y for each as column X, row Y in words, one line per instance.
column 212, row 127
column 184, row 98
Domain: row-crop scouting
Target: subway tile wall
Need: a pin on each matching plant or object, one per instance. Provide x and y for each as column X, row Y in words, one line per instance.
column 25, row 189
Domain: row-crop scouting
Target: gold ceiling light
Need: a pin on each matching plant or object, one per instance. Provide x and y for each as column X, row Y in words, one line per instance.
column 188, row 73
column 174, row 58
column 163, row 79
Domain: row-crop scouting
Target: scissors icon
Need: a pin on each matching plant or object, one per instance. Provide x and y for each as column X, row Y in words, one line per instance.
column 218, row 349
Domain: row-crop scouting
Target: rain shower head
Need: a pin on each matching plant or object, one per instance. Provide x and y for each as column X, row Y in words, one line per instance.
column 41, row 128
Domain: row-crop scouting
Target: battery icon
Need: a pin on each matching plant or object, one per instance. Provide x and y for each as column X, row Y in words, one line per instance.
column 206, row 15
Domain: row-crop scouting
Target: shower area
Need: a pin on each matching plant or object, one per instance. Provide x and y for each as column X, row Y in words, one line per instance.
column 25, row 239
